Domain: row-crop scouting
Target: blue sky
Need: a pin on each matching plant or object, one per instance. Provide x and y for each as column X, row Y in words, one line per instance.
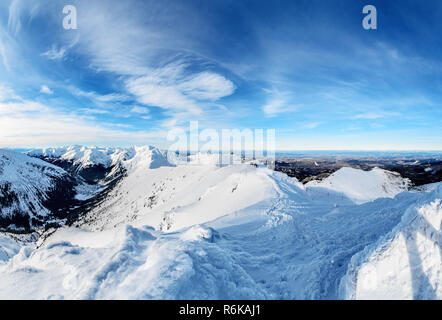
column 133, row 70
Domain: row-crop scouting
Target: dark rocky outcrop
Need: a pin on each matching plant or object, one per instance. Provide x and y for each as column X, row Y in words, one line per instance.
column 91, row 174
column 58, row 200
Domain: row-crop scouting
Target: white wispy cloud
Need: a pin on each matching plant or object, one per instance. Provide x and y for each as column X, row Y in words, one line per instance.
column 135, row 55
column 45, row 89
column 274, row 107
column 169, row 123
column 377, row 125
column 112, row 97
column 132, row 53
column 374, row 115
column 313, row 125
column 207, row 86
column 152, row 93
column 92, row 95
column 55, row 129
column 55, row 53
column 140, row 110
column 28, row 123
column 278, row 103
column 171, row 87
column 15, row 108
column 6, row 93
column 16, row 8
column 4, row 56
column 94, row 111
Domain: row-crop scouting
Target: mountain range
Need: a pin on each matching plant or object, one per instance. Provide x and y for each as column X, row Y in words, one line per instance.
column 126, row 223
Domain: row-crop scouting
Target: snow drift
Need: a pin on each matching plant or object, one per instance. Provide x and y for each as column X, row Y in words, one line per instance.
column 406, row 263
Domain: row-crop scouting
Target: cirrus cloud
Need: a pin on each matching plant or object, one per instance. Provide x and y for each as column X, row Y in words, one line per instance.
column 45, row 89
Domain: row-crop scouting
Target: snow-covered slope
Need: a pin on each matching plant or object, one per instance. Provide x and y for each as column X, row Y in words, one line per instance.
column 27, row 186
column 203, row 231
column 174, row 197
column 10, row 244
column 137, row 261
column 140, row 158
column 363, row 186
column 407, row 262
column 8, row 247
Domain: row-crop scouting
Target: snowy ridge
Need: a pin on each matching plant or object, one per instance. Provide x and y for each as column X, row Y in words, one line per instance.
column 174, row 197
column 363, row 186
column 139, row 158
column 83, row 157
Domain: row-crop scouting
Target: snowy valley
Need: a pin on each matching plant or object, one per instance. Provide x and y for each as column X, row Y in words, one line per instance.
column 116, row 223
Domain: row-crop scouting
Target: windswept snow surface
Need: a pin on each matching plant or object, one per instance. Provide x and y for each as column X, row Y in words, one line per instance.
column 404, row 264
column 8, row 248
column 233, row 232
column 10, row 244
column 363, row 186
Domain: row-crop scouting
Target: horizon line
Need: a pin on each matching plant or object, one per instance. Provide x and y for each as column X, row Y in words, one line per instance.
column 235, row 150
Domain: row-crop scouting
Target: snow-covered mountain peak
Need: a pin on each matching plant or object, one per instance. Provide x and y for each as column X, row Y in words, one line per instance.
column 363, row 186
column 80, row 156
column 146, row 157
column 83, row 157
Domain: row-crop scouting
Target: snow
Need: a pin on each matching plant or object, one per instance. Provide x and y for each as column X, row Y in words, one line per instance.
column 87, row 265
column 363, row 186
column 145, row 158
column 13, row 163
column 80, row 156
column 8, row 248
column 28, row 179
column 426, row 187
column 83, row 157
column 204, row 231
column 406, row 263
column 170, row 198
column 10, row 244
column 85, row 191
